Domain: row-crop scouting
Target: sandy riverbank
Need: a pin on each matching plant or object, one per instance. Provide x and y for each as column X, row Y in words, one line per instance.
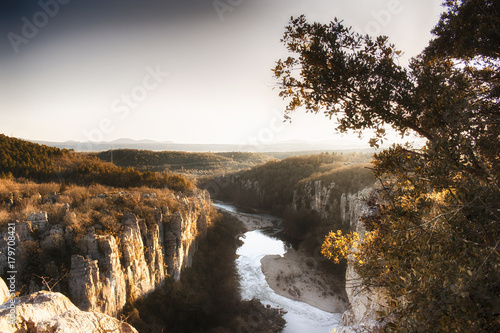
column 253, row 222
column 300, row 277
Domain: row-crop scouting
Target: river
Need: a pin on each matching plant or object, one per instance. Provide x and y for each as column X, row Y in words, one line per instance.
column 300, row 317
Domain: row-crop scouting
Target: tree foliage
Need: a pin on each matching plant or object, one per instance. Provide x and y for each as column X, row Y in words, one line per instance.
column 467, row 29
column 433, row 244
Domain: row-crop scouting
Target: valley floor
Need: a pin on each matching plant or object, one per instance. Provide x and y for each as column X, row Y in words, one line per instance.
column 299, row 277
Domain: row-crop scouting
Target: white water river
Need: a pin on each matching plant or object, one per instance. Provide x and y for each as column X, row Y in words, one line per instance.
column 300, row 317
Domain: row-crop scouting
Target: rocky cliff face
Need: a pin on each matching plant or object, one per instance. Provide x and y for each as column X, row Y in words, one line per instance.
column 46, row 312
column 317, row 197
column 330, row 202
column 108, row 270
column 112, row 270
column 362, row 313
column 343, row 211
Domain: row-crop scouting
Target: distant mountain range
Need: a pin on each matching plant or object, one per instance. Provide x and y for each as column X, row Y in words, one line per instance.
column 124, row 143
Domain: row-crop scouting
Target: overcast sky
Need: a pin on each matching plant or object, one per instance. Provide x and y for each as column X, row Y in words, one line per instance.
column 188, row 71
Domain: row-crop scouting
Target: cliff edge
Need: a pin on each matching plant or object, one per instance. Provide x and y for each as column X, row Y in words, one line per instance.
column 47, row 312
column 105, row 268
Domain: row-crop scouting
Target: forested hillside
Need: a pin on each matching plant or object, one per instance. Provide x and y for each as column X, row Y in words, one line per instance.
column 271, row 186
column 280, row 187
column 20, row 158
column 26, row 159
column 147, row 160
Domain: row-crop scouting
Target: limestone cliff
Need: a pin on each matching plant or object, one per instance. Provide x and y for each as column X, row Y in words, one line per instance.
column 47, row 312
column 314, row 195
column 344, row 211
column 107, row 270
column 362, row 313
column 112, row 270
column 331, row 202
column 340, row 204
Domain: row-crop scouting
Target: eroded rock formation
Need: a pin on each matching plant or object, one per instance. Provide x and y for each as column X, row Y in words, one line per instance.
column 107, row 274
column 47, row 312
column 110, row 269
column 331, row 202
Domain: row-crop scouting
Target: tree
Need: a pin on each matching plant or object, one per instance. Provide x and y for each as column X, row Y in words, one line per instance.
column 433, row 245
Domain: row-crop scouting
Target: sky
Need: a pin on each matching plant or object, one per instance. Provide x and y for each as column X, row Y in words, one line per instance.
column 186, row 71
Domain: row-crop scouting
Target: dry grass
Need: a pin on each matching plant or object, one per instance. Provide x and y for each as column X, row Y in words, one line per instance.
column 55, row 212
column 77, row 193
column 6, row 188
column 88, row 206
column 47, row 188
column 97, row 189
column 26, row 210
column 10, row 188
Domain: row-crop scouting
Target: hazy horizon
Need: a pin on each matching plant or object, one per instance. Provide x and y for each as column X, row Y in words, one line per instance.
column 188, row 72
column 290, row 146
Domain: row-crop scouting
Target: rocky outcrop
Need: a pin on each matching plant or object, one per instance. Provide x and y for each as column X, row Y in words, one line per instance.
column 47, row 312
column 38, row 220
column 362, row 313
column 331, row 203
column 96, row 282
column 313, row 195
column 344, row 211
column 134, row 262
column 109, row 270
column 112, row 270
column 179, row 246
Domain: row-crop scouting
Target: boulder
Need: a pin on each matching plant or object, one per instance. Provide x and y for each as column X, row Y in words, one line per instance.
column 47, row 312
column 39, row 220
